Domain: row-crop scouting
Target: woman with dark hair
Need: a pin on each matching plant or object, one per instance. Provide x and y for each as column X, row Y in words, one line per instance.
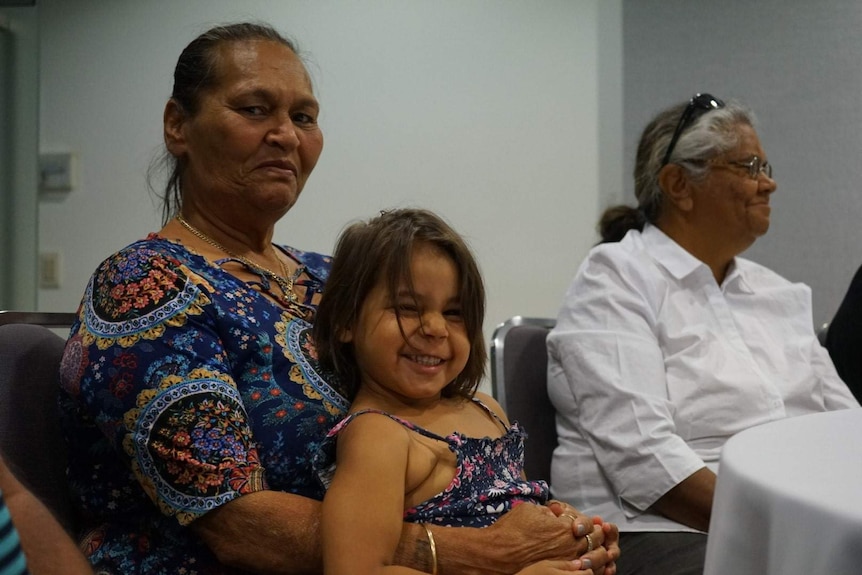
column 193, row 400
column 668, row 342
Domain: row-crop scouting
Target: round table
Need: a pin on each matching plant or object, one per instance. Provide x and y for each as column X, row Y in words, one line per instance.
column 789, row 498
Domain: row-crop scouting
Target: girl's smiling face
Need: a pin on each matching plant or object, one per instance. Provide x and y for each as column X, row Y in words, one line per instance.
column 415, row 358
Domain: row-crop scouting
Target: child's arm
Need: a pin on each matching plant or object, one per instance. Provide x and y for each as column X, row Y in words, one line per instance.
column 364, row 507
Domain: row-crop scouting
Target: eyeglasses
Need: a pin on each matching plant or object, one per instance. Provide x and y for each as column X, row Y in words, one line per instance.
column 754, row 165
column 699, row 105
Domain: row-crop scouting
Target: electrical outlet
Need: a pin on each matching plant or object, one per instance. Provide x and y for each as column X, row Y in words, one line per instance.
column 49, row 270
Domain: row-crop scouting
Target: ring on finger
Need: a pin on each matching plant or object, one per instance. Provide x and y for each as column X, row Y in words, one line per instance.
column 589, row 542
column 570, row 516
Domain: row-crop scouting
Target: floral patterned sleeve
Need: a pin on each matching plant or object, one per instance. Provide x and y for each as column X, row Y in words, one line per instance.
column 151, row 365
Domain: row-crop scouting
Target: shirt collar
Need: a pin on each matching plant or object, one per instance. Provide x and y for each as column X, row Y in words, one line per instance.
column 669, row 254
column 736, row 277
column 680, row 264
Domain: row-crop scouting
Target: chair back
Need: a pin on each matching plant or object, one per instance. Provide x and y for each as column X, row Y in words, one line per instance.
column 56, row 319
column 822, row 333
column 519, row 374
column 31, row 440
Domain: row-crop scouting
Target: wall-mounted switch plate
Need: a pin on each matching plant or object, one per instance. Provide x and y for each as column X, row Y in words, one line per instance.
column 56, row 172
column 49, row 270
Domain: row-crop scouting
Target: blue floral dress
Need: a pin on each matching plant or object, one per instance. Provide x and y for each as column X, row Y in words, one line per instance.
column 488, row 479
column 182, row 389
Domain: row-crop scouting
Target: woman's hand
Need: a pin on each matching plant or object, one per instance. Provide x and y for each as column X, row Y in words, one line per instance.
column 610, row 545
column 530, row 534
column 556, row 567
column 598, row 541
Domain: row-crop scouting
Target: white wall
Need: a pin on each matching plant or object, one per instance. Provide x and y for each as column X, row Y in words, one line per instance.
column 797, row 64
column 487, row 111
column 19, row 143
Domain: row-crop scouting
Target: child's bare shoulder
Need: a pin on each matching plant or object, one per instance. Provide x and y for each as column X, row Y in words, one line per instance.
column 373, row 426
column 493, row 405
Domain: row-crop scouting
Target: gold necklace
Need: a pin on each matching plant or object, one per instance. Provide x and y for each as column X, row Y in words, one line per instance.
column 284, row 281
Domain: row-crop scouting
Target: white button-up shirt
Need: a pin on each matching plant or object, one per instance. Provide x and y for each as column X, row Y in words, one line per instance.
column 653, row 366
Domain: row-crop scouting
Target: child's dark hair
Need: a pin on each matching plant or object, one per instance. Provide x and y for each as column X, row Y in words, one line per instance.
column 380, row 249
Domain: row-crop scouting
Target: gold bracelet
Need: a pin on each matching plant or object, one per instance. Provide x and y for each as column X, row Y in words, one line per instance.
column 433, row 546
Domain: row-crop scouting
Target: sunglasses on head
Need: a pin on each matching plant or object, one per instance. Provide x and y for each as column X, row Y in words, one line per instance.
column 699, row 105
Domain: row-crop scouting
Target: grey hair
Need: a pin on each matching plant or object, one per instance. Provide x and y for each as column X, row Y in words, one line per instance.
column 711, row 135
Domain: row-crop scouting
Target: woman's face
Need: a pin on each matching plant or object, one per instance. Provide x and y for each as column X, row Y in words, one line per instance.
column 728, row 203
column 255, row 138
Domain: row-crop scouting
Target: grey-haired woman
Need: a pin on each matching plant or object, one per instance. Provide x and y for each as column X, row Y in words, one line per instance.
column 668, row 342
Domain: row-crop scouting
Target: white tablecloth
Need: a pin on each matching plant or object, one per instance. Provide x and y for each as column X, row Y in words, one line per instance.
column 789, row 499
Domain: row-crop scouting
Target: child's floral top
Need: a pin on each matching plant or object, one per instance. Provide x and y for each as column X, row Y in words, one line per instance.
column 488, row 479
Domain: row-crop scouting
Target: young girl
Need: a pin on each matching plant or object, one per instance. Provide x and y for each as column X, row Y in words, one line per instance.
column 400, row 323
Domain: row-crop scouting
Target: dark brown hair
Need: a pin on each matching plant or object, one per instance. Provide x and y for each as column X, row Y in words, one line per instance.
column 196, row 72
column 380, row 250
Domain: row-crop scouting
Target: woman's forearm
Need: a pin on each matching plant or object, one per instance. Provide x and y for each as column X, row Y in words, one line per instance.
column 265, row 532
column 690, row 501
column 275, row 532
column 48, row 548
column 525, row 535
column 459, row 550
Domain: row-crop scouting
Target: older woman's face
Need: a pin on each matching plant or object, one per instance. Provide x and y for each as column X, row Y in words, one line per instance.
column 255, row 138
column 729, row 203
